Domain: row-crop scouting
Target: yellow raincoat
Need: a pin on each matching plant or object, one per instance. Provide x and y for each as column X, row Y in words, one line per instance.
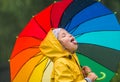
column 66, row 67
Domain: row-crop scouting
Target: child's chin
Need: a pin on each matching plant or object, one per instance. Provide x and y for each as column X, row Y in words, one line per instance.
column 74, row 49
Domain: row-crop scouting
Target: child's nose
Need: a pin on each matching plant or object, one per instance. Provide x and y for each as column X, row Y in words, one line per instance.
column 70, row 35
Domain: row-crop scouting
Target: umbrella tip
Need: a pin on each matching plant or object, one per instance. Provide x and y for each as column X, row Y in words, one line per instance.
column 99, row 0
column 16, row 36
column 116, row 74
column 55, row 1
column 8, row 60
column 32, row 16
column 115, row 12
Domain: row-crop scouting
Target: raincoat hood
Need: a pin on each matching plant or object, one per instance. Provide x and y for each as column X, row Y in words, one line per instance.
column 52, row 48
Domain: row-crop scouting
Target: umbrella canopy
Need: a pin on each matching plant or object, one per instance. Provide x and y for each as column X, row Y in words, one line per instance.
column 93, row 25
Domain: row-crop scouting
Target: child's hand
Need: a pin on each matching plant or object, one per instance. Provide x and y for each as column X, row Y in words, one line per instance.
column 86, row 70
column 92, row 76
column 88, row 73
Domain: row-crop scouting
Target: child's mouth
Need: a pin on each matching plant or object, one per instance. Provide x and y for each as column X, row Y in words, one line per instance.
column 73, row 41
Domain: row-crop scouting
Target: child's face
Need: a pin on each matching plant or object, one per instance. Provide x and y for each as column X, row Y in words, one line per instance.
column 67, row 40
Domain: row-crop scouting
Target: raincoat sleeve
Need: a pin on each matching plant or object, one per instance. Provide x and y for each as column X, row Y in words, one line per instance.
column 63, row 73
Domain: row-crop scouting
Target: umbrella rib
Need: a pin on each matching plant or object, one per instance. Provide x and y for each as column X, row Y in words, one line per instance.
column 30, row 37
column 42, row 61
column 47, row 65
column 23, row 65
column 100, row 45
column 88, row 20
column 25, row 49
column 93, row 31
column 94, row 60
column 39, row 25
column 70, row 17
column 36, row 66
column 92, row 53
column 50, row 15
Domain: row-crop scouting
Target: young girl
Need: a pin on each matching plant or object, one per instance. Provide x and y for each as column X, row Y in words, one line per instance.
column 60, row 47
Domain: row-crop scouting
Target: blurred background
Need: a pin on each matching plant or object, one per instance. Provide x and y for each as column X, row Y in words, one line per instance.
column 15, row 14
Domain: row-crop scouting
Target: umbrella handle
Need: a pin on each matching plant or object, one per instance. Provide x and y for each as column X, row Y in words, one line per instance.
column 102, row 77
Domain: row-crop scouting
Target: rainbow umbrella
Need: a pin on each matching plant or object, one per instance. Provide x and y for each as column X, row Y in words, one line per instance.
column 93, row 25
